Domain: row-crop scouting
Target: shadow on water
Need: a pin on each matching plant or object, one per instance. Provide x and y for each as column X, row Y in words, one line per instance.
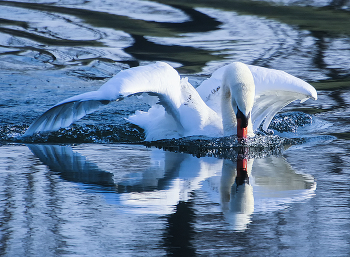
column 320, row 56
column 329, row 20
column 140, row 48
column 179, row 232
column 193, row 59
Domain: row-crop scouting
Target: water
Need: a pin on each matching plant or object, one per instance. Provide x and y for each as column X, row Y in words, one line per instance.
column 96, row 189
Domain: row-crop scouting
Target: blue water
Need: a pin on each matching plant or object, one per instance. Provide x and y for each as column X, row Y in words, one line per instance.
column 97, row 189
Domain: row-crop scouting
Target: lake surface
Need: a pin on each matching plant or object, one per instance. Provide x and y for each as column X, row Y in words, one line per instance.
column 96, row 189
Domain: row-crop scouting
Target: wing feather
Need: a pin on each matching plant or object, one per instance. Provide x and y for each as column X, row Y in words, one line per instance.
column 274, row 89
column 63, row 115
column 276, row 80
column 158, row 79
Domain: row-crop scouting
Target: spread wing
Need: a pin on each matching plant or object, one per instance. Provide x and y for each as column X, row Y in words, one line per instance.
column 158, row 79
column 274, row 89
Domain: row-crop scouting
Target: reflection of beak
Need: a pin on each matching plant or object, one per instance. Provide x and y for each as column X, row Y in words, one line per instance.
column 242, row 124
column 242, row 172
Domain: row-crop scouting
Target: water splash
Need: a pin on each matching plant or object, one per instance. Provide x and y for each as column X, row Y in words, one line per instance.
column 290, row 121
column 228, row 147
column 263, row 144
column 75, row 134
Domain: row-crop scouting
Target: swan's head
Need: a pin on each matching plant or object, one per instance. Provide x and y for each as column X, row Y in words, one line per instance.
column 239, row 88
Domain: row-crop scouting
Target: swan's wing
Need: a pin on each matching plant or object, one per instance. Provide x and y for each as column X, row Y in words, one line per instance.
column 209, row 90
column 194, row 118
column 158, row 79
column 276, row 80
column 267, row 105
column 62, row 115
column 275, row 89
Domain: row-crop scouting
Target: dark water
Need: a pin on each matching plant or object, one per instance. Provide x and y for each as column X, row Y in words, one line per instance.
column 95, row 189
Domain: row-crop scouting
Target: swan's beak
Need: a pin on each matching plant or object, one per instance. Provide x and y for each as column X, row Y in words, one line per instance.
column 242, row 124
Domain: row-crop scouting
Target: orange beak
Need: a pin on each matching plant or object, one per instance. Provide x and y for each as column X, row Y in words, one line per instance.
column 241, row 131
column 242, row 124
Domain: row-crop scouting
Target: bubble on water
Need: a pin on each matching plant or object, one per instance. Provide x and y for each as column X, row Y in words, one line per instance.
column 290, row 121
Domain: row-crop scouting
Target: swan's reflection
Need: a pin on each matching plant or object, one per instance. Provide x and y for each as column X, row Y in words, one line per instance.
column 237, row 201
column 144, row 180
column 258, row 185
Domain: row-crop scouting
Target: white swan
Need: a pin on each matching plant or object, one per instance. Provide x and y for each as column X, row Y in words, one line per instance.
column 236, row 92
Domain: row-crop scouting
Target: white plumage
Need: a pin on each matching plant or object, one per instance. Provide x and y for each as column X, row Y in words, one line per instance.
column 183, row 110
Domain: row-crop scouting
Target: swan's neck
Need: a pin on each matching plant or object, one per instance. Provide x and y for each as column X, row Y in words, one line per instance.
column 229, row 121
column 238, row 92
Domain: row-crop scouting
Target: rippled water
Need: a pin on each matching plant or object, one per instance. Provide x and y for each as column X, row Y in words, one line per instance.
column 96, row 189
